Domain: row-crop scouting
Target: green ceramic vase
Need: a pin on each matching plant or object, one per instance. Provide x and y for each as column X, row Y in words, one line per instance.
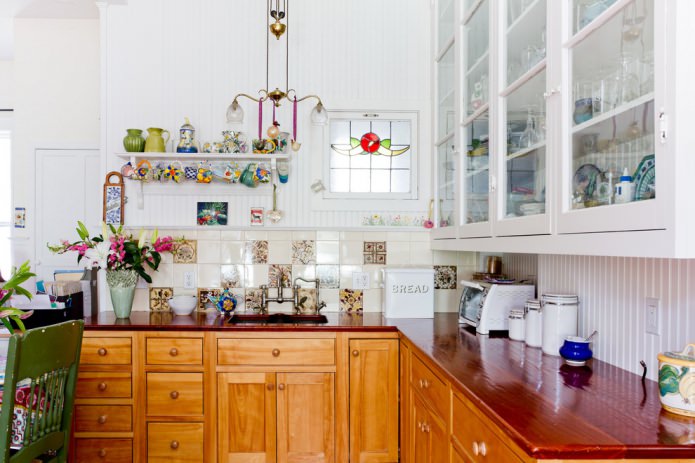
column 122, row 289
column 134, row 142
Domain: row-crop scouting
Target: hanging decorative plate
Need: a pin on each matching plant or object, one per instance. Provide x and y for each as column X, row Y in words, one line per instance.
column 113, row 199
column 585, row 181
column 645, row 178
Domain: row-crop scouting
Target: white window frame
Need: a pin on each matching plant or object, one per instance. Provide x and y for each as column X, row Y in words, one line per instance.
column 410, row 201
column 6, row 132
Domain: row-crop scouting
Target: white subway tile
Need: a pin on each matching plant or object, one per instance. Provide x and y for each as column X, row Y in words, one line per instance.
column 351, row 252
column 209, row 276
column 327, row 235
column 232, row 252
column 280, row 252
column 398, row 236
column 327, row 252
column 304, row 235
column 372, row 300
column 209, row 252
column 397, row 253
column 352, row 236
column 209, row 235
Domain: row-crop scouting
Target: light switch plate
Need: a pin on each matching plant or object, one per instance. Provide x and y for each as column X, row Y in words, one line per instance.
column 360, row 280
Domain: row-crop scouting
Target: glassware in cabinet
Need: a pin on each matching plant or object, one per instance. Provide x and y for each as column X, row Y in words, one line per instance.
column 476, row 177
column 446, row 116
column 612, row 143
column 477, row 58
column 446, row 184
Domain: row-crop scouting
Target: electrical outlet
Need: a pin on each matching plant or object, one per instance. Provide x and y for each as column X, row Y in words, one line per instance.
column 652, row 316
column 360, row 280
column 189, row 280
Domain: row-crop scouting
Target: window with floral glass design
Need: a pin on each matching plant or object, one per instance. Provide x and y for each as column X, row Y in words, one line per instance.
column 372, row 156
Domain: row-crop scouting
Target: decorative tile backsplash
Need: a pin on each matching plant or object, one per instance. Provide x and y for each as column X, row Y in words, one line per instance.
column 245, row 260
column 159, row 298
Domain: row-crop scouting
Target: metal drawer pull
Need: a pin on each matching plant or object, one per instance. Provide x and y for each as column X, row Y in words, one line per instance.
column 483, row 449
column 102, row 387
column 355, row 353
column 276, row 352
column 174, row 395
column 174, row 352
column 102, row 453
column 102, row 351
column 424, row 384
column 479, row 449
column 281, row 386
column 101, row 419
column 174, row 444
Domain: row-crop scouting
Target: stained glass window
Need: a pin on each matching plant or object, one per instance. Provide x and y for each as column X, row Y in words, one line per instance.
column 371, row 155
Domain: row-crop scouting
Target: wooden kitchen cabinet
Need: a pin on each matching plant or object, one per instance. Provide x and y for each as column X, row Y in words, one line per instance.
column 374, row 378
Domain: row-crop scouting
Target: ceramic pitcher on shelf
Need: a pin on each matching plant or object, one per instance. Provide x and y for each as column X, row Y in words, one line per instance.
column 155, row 142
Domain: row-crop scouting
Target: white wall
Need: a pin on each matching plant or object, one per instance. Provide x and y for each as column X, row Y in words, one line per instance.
column 56, row 103
column 6, row 85
column 175, row 59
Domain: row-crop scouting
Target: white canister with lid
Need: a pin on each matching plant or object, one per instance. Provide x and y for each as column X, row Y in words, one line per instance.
column 534, row 323
column 560, row 313
column 517, row 324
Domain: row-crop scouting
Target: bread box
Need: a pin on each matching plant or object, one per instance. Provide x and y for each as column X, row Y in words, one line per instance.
column 408, row 292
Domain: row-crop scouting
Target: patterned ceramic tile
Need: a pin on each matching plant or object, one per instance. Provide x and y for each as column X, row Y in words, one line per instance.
column 444, row 277
column 375, row 252
column 232, row 276
column 284, row 272
column 159, row 298
column 256, row 252
column 185, row 252
column 307, row 300
column 303, row 252
column 351, row 300
column 253, row 299
column 329, row 276
column 203, row 297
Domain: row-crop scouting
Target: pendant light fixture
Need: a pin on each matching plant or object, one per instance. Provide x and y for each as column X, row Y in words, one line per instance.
column 278, row 11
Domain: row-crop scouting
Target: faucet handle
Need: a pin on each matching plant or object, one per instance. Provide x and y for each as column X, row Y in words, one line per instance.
column 320, row 306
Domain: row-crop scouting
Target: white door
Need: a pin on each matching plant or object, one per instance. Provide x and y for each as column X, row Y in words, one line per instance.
column 68, row 189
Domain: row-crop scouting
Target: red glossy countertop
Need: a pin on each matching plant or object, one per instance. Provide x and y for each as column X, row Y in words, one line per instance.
column 549, row 409
column 167, row 321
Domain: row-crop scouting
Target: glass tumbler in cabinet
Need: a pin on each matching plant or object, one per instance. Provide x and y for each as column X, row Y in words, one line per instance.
column 446, row 184
column 611, row 117
column 476, row 176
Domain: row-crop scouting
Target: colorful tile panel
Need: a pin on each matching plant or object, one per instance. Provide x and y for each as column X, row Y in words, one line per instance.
column 159, row 299
column 375, row 252
column 351, row 300
column 444, row 277
column 303, row 252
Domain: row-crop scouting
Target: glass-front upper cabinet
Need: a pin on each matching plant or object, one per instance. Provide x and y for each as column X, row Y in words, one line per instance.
column 475, row 194
column 523, row 169
column 445, row 125
column 609, row 177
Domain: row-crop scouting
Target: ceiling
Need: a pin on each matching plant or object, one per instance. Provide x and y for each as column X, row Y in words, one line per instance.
column 59, row 9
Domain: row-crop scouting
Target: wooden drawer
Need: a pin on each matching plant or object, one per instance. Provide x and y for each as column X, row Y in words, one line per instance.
column 276, row 351
column 103, row 418
column 431, row 387
column 174, row 442
column 476, row 438
column 103, row 450
column 106, row 351
column 174, row 351
column 103, row 384
column 174, row 394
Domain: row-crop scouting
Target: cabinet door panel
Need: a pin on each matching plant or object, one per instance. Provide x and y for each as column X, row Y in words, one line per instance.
column 306, row 417
column 420, row 444
column 373, row 400
column 246, row 417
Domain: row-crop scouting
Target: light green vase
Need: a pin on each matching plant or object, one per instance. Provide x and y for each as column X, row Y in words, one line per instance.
column 122, row 288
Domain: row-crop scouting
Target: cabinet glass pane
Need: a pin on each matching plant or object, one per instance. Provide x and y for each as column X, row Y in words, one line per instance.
column 585, row 11
column 445, row 11
column 476, row 33
column 525, row 172
column 526, row 36
column 445, row 94
column 446, row 184
column 613, row 113
column 476, row 178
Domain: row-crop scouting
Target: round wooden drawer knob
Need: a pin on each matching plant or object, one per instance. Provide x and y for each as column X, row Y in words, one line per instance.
column 355, row 353
column 102, row 351
column 174, row 395
column 276, row 352
column 174, row 444
column 102, row 387
column 174, row 352
column 281, row 386
column 102, row 453
column 101, row 419
column 270, row 386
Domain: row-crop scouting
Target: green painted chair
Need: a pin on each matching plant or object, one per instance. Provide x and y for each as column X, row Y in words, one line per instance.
column 44, row 361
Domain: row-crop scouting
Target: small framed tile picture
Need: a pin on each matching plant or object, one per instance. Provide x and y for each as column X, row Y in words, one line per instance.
column 256, row 216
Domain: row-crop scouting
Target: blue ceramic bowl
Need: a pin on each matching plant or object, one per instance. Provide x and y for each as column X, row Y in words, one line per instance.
column 575, row 350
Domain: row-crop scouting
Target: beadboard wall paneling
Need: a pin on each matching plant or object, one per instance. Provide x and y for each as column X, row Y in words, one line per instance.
column 520, row 266
column 171, row 59
column 612, row 293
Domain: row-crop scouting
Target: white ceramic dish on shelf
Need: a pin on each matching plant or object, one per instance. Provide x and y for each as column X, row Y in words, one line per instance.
column 183, row 305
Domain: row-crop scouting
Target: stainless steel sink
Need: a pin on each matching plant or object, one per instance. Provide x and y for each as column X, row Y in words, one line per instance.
column 277, row 318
